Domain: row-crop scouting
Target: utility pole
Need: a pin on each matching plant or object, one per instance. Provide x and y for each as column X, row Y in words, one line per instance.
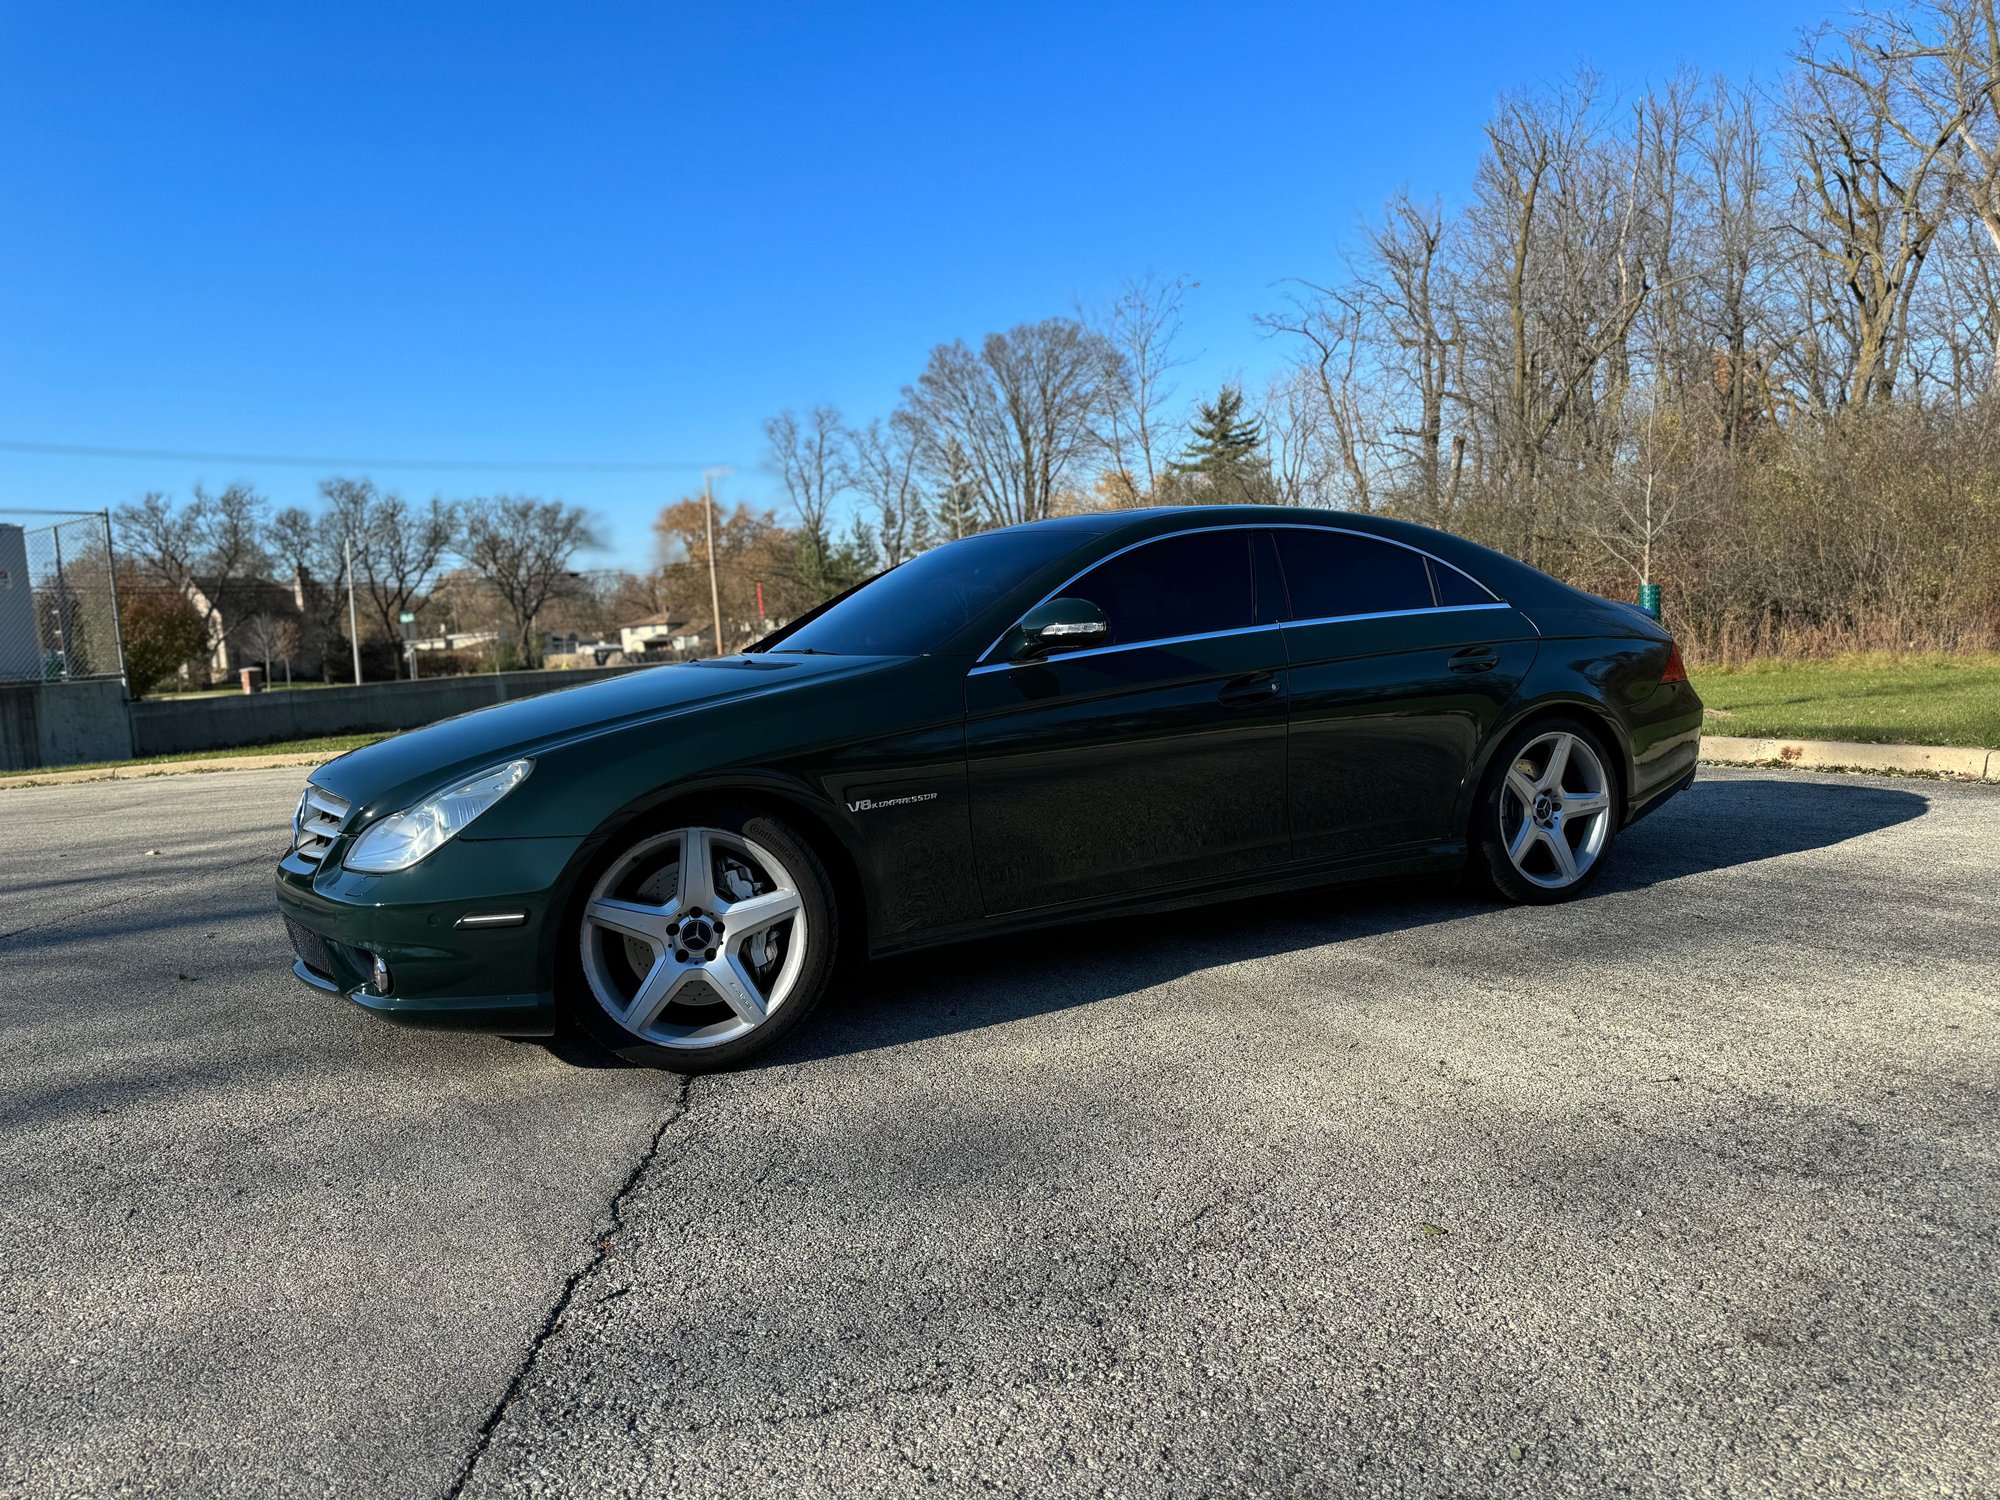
column 353, row 630
column 708, row 522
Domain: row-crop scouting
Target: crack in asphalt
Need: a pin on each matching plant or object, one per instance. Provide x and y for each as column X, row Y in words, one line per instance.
column 552, row 1320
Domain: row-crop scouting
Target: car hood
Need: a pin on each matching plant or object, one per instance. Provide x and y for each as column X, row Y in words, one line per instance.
column 395, row 772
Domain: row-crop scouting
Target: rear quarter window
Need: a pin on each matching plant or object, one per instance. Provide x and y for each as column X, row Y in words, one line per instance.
column 1455, row 588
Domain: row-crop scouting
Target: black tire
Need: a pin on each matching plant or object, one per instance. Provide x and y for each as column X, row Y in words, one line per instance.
column 1488, row 863
column 578, row 1007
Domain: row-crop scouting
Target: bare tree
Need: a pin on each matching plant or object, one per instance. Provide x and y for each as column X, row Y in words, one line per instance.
column 398, row 548
column 1555, row 281
column 1140, row 330
column 1415, row 304
column 1646, row 498
column 523, row 547
column 206, row 550
column 307, row 550
column 1736, row 232
column 270, row 638
column 812, row 462
column 1871, row 194
column 1937, row 81
column 885, row 474
column 1022, row 411
column 1331, row 322
column 1293, row 439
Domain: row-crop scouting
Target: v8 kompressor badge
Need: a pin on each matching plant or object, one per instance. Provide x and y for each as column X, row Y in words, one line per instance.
column 869, row 804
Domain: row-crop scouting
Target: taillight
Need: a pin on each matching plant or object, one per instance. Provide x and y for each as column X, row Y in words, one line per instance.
column 1676, row 670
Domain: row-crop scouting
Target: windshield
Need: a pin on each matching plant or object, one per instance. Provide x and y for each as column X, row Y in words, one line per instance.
column 914, row 609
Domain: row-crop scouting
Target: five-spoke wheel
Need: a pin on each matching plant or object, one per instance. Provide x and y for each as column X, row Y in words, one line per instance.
column 703, row 939
column 1548, row 813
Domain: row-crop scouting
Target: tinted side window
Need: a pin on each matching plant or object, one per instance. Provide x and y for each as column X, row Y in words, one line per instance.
column 1337, row 573
column 1453, row 587
column 1268, row 581
column 1184, row 585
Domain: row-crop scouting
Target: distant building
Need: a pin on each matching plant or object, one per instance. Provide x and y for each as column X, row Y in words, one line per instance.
column 475, row 642
column 247, row 610
column 664, row 633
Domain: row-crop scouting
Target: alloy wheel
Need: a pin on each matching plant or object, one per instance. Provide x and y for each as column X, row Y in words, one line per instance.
column 1555, row 810
column 694, row 938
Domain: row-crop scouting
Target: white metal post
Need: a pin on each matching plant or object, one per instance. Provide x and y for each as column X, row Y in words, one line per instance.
column 708, row 521
column 353, row 629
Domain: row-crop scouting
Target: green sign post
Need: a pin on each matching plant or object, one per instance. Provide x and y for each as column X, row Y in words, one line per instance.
column 1649, row 599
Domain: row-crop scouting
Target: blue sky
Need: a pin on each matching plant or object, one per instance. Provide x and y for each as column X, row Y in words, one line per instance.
column 619, row 232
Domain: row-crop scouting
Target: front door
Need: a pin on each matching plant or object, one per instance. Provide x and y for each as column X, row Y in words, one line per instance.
column 1153, row 761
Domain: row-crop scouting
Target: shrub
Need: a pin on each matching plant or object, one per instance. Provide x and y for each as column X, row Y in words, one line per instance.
column 162, row 634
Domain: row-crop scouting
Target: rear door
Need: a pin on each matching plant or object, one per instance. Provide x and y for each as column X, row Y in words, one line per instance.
column 1154, row 760
column 1400, row 666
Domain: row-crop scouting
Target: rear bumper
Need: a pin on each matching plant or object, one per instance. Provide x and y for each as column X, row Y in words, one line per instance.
column 1659, row 798
column 340, row 923
column 1664, row 734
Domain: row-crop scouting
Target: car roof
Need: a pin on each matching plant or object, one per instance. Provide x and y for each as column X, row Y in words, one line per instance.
column 1149, row 520
column 1169, row 517
column 1511, row 579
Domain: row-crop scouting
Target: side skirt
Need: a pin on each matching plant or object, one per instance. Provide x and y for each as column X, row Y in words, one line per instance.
column 1434, row 859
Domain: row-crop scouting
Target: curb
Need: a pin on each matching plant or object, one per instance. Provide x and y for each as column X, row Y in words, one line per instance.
column 1846, row 755
column 169, row 768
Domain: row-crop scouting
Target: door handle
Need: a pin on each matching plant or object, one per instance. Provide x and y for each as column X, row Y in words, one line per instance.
column 1258, row 687
column 1475, row 659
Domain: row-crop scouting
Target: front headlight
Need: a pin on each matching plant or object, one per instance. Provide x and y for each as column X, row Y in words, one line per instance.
column 401, row 839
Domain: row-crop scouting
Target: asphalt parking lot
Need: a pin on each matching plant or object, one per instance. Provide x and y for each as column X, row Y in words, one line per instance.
column 1690, row 1188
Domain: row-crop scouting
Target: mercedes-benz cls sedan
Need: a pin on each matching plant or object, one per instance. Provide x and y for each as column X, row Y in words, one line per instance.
column 1077, row 718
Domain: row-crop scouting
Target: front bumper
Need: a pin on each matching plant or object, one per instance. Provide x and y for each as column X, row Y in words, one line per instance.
column 341, row 922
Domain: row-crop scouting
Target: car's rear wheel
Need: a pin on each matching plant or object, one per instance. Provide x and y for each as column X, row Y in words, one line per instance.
column 1546, row 814
column 701, row 943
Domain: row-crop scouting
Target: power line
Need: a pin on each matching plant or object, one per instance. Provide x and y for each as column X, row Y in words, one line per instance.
column 307, row 461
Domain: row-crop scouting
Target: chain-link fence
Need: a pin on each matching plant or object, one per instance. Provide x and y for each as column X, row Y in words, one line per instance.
column 58, row 604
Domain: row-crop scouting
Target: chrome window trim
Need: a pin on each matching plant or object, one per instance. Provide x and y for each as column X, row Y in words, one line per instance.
column 1165, row 640
column 1397, row 614
column 982, row 665
column 1216, row 635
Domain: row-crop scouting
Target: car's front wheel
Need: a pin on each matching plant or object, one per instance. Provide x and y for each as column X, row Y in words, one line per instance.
column 1546, row 813
column 699, row 944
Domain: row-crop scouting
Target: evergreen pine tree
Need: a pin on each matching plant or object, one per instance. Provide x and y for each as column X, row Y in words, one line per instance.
column 1222, row 442
column 854, row 558
column 957, row 509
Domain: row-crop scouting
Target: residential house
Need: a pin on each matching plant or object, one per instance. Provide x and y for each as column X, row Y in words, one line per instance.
column 250, row 617
column 664, row 634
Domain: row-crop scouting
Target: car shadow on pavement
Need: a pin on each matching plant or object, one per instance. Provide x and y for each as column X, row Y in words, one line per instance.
column 1713, row 826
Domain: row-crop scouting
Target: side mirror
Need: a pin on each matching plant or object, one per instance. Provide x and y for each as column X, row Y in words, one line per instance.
column 1059, row 625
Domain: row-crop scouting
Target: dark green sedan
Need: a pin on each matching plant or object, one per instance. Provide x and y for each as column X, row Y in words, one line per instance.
column 1077, row 718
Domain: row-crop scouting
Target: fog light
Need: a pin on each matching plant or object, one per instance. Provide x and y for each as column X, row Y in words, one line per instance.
column 381, row 974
